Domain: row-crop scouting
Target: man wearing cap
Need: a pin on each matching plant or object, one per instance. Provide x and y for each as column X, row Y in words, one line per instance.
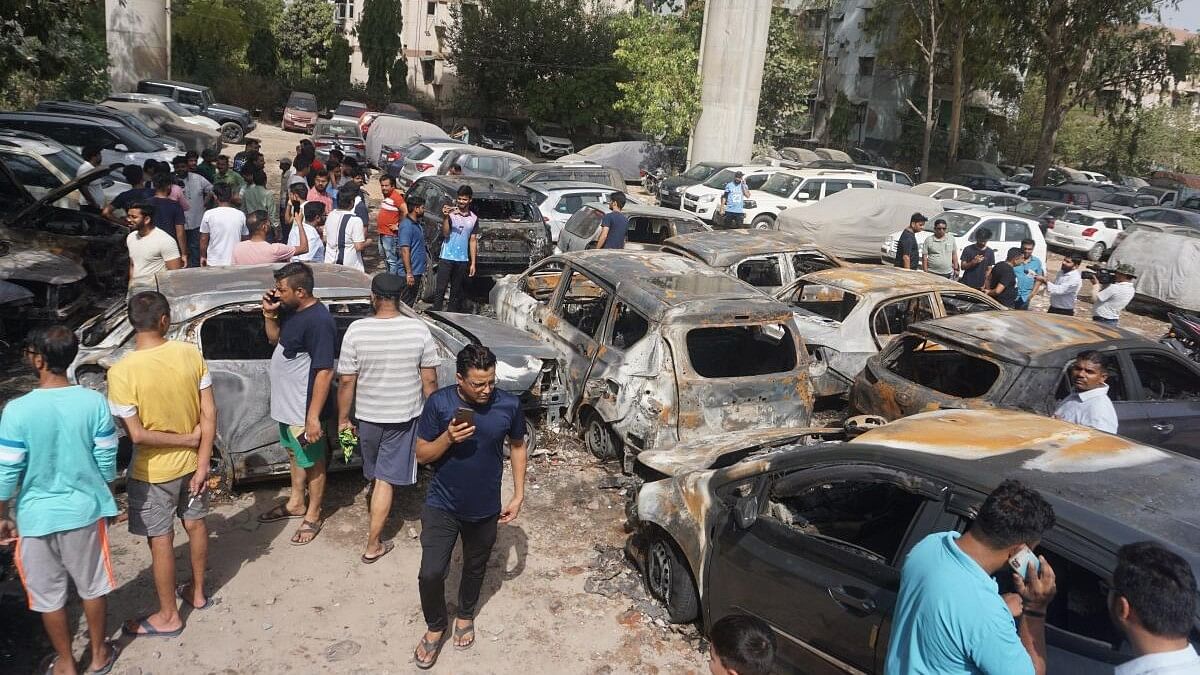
column 908, row 253
column 733, row 201
column 939, row 253
column 1109, row 299
column 387, row 368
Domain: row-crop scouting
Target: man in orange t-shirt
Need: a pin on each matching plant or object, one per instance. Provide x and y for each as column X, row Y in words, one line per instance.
column 391, row 211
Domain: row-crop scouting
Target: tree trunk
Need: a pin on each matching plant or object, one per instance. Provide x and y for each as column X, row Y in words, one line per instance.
column 927, row 140
column 1052, row 118
column 956, row 93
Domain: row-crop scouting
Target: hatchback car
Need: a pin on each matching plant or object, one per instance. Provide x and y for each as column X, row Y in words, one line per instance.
column 794, row 188
column 846, row 315
column 649, row 226
column 220, row 311
column 1093, row 233
column 423, row 159
column 657, row 348
column 474, row 161
column 556, row 171
column 1046, row 213
column 940, row 190
column 349, row 111
column 338, row 134
column 811, row 537
column 704, row 199
column 300, row 112
column 766, row 260
column 1007, row 232
column 1124, row 202
column 1019, row 360
column 1077, row 196
column 984, row 199
column 670, row 189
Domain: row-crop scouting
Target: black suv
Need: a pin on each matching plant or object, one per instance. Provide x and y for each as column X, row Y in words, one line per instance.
column 235, row 122
column 512, row 234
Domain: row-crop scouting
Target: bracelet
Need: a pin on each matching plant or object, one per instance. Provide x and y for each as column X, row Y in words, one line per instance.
column 1033, row 613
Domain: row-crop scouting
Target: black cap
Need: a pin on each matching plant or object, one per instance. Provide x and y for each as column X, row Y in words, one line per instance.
column 387, row 285
column 737, row 174
column 918, row 217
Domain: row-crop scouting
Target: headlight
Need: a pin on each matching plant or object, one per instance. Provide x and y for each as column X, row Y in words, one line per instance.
column 678, row 190
column 704, row 199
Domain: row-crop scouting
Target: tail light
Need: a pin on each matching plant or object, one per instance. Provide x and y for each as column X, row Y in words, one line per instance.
column 393, row 156
column 1089, row 231
column 422, row 166
column 1050, row 223
column 641, row 173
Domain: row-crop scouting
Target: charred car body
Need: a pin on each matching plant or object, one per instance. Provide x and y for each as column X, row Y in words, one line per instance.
column 848, row 314
column 219, row 310
column 1019, row 360
column 811, row 537
column 649, row 226
column 765, row 259
column 657, row 348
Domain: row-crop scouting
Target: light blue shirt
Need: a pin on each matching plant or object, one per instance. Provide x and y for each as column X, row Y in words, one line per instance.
column 456, row 247
column 1025, row 280
column 950, row 618
column 735, row 197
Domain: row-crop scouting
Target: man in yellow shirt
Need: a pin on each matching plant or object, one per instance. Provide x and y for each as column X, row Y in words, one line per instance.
column 162, row 393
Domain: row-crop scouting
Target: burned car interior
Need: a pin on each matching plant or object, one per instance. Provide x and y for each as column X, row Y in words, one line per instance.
column 741, row 351
column 823, row 300
column 942, row 369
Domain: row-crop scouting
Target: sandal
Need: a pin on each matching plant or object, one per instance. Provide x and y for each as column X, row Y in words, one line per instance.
column 387, row 548
column 462, row 632
column 433, row 649
column 148, row 630
column 306, row 527
column 278, row 513
column 186, row 597
column 114, row 650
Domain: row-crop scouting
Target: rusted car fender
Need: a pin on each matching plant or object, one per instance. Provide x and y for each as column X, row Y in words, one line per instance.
column 683, row 508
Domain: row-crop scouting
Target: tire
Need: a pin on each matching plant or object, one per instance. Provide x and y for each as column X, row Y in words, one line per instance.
column 1096, row 253
column 600, row 439
column 231, row 132
column 531, row 439
column 428, row 286
column 669, row 580
column 763, row 222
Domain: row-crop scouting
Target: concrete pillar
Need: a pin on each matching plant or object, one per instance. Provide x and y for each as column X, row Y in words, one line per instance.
column 733, row 47
column 139, row 41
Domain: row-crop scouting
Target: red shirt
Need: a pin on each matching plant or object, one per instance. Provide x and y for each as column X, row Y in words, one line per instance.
column 388, row 220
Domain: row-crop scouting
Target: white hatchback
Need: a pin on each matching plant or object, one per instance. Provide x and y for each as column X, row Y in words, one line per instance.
column 1094, row 233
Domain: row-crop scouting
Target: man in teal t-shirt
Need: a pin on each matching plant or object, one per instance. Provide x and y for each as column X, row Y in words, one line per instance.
column 58, row 452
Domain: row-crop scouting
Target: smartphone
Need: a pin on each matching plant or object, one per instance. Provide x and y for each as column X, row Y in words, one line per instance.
column 463, row 416
column 1021, row 562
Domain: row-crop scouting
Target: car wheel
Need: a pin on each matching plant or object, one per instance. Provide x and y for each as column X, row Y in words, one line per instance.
column 531, row 440
column 232, row 132
column 428, row 286
column 763, row 223
column 670, row 581
column 1096, row 253
column 600, row 439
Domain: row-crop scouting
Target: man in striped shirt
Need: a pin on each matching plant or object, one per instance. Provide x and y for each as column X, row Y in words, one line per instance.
column 388, row 365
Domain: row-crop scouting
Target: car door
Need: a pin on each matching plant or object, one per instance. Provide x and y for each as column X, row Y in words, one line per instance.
column 620, row 369
column 573, row 325
column 526, row 305
column 37, row 178
column 894, row 316
column 821, row 561
column 1131, row 416
column 803, row 262
column 1168, row 390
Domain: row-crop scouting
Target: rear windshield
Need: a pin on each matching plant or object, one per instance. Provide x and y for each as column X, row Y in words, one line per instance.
column 823, row 300
column 514, row 210
column 336, row 128
column 350, row 110
column 305, row 103
column 420, row 152
column 741, row 351
column 943, row 369
column 584, row 223
column 1079, row 219
column 1032, row 209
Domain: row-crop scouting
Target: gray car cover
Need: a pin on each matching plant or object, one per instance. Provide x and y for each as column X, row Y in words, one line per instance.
column 397, row 132
column 628, row 157
column 1166, row 265
column 854, row 223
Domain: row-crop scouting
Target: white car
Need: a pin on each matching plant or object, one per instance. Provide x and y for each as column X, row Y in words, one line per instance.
column 170, row 104
column 801, row 187
column 704, row 198
column 558, row 200
column 1007, row 232
column 984, row 199
column 42, row 165
column 1096, row 177
column 548, row 140
column 423, row 159
column 941, row 190
column 1094, row 233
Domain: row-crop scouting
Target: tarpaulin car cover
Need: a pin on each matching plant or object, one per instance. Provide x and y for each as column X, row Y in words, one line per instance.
column 853, row 223
column 1166, row 265
column 397, row 132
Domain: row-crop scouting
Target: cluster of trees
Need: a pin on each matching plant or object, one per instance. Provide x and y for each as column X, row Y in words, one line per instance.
column 52, row 49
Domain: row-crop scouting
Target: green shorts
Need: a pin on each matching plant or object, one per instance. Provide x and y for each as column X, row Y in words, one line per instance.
column 306, row 455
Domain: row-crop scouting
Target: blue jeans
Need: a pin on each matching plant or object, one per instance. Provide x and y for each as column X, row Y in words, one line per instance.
column 193, row 246
column 389, row 252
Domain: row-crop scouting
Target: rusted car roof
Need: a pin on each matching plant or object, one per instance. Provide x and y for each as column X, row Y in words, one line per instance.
column 655, row 283
column 194, row 291
column 865, row 279
column 1027, row 338
column 722, row 248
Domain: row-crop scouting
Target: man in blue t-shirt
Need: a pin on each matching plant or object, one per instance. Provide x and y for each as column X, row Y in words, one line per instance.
column 461, row 433
column 410, row 245
column 1027, row 273
column 136, row 194
column 733, row 200
column 950, row 616
column 614, row 225
column 460, row 239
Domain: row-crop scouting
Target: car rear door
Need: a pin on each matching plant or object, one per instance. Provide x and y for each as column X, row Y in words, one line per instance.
column 821, row 562
column 577, row 315
column 1167, row 389
column 894, row 316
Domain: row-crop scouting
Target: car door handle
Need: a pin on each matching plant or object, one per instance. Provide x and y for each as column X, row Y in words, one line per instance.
column 1163, row 428
column 852, row 601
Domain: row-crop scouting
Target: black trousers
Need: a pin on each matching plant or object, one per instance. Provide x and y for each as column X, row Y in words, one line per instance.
column 453, row 274
column 440, row 530
column 409, row 295
column 1064, row 312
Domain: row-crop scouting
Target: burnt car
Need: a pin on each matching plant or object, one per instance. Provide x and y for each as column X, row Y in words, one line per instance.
column 512, row 234
column 810, row 537
column 220, row 311
column 56, row 287
column 765, row 259
column 1019, row 360
column 848, row 314
column 649, row 226
column 656, row 348
column 35, row 224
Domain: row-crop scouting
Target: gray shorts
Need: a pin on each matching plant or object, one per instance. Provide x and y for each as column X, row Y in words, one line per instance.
column 154, row 506
column 389, row 451
column 45, row 563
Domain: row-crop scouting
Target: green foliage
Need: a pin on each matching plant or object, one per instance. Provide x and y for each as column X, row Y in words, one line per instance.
column 788, row 75
column 261, row 54
column 206, row 40
column 379, row 38
column 43, row 40
column 662, row 88
column 399, row 78
column 308, row 25
column 337, row 69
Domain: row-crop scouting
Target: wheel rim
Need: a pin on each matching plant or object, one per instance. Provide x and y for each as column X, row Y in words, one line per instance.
column 231, row 132
column 599, row 441
column 761, row 225
column 658, row 571
column 1097, row 251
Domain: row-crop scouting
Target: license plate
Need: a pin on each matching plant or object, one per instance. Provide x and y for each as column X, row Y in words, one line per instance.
column 501, row 246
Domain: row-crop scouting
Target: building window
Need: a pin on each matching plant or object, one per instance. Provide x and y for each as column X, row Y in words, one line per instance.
column 431, row 8
column 866, row 66
column 427, row 70
column 866, row 17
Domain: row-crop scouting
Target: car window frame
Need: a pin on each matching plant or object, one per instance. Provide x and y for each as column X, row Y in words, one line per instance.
column 1131, row 367
column 555, row 307
column 934, row 306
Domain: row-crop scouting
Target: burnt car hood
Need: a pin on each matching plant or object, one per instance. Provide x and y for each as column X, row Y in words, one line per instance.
column 40, row 266
column 519, row 355
column 709, row 453
column 32, row 204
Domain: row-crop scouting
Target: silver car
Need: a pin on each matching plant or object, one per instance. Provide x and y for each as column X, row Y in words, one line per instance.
column 558, row 200
column 649, row 226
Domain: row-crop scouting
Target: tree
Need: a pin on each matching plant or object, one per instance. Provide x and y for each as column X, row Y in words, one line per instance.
column 788, row 75
column 379, row 38
column 206, row 35
column 260, row 53
column 309, row 29
column 399, row 78
column 39, row 37
column 337, row 69
column 662, row 88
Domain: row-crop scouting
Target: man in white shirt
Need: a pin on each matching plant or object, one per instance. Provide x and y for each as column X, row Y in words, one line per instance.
column 1109, row 299
column 150, row 249
column 1089, row 405
column 92, row 158
column 221, row 229
column 314, row 214
column 196, row 189
column 1065, row 287
column 345, row 233
column 1153, row 602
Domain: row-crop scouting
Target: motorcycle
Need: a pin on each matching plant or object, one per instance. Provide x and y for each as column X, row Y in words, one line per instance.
column 651, row 179
column 1184, row 334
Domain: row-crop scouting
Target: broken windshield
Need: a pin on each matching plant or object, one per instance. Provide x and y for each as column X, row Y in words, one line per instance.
column 741, row 351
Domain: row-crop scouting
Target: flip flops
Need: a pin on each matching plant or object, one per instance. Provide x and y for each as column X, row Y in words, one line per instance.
column 150, row 631
column 461, row 632
column 114, row 650
column 276, row 514
column 306, row 527
column 431, row 647
column 387, row 548
column 208, row 602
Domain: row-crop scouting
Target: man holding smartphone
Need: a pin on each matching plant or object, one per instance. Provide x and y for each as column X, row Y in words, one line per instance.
column 950, row 616
column 461, row 432
column 456, row 262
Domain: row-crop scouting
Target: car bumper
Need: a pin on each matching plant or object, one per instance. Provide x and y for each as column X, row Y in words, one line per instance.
column 302, row 125
column 555, row 151
column 1069, row 242
column 669, row 200
column 704, row 210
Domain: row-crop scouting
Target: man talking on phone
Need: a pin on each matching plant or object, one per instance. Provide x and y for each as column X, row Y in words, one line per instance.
column 950, row 616
column 461, row 433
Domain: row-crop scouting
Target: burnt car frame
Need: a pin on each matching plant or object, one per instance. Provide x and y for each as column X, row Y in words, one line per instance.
column 848, row 314
column 656, row 348
column 220, row 311
column 810, row 537
column 765, row 259
column 1019, row 360
column 649, row 226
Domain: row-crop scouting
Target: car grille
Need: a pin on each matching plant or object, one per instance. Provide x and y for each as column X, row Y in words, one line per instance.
column 504, row 245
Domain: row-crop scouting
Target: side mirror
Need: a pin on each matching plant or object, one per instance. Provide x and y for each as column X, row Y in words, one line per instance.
column 804, row 196
column 745, row 512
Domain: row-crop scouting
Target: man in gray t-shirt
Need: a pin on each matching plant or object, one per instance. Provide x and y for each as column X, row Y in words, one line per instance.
column 939, row 253
column 388, row 366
